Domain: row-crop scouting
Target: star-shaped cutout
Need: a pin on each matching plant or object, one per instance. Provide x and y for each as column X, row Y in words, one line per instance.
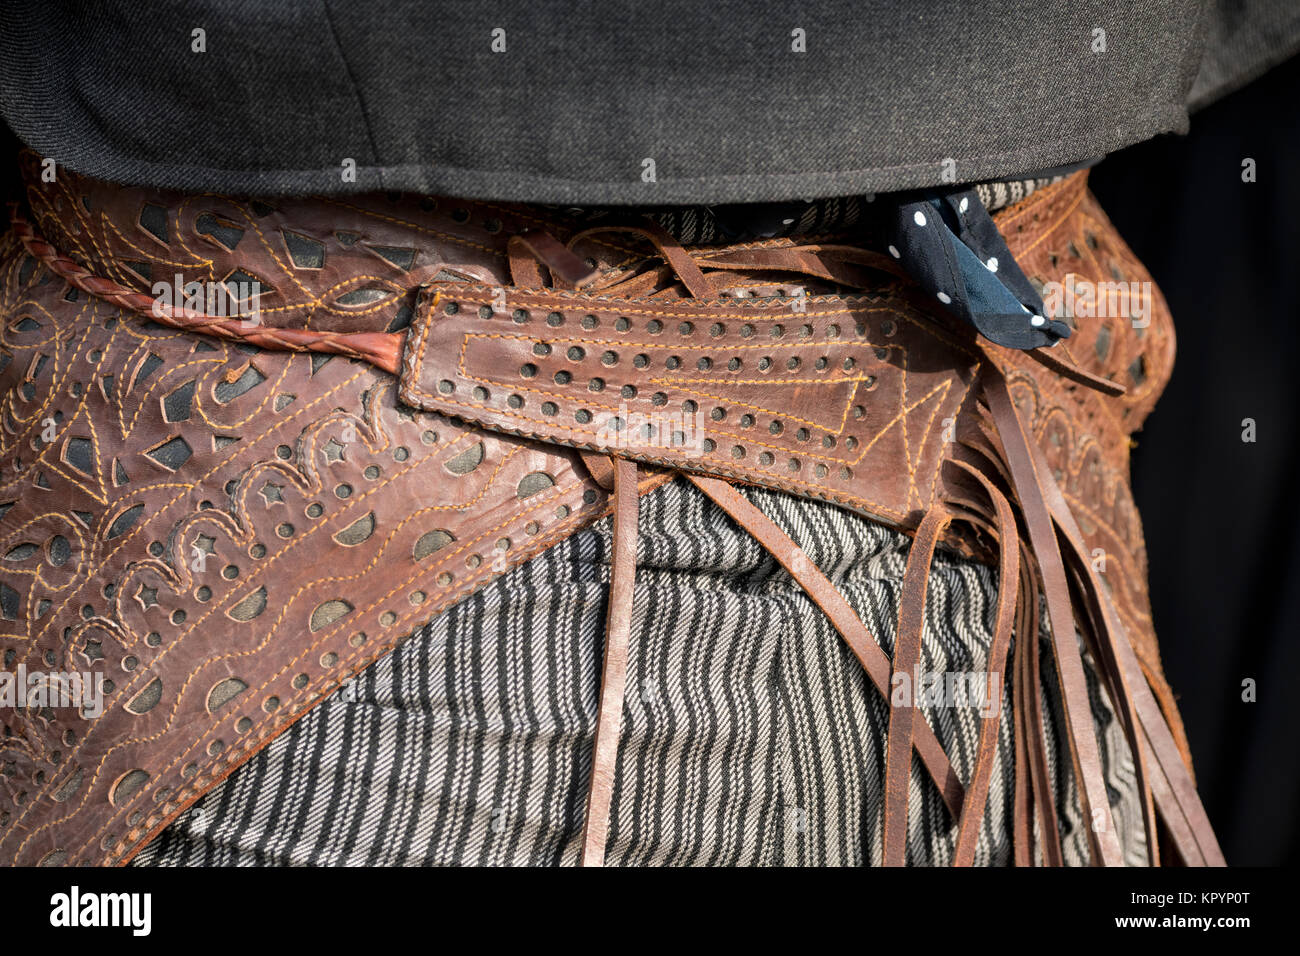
column 205, row 544
column 147, row 596
column 94, row 651
column 333, row 451
column 271, row 492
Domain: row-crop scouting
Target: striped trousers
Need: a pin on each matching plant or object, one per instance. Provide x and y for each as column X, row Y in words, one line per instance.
column 751, row 735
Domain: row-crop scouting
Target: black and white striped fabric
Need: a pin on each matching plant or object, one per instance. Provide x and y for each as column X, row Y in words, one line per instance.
column 706, row 225
column 751, row 734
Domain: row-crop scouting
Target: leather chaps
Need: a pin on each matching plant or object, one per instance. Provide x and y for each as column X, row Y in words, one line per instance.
column 247, row 447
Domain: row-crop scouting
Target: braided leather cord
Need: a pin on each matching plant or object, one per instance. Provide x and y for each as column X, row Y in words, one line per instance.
column 381, row 349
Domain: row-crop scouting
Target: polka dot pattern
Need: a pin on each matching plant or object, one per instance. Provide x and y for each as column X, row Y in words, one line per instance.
column 948, row 243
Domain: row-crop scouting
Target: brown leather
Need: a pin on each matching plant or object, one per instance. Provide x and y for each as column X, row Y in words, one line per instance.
column 1170, row 775
column 380, row 349
column 1009, row 594
column 846, row 400
column 903, row 715
column 867, row 396
column 285, row 456
column 1041, row 796
column 613, row 678
column 1086, row 436
column 879, row 384
column 1069, row 664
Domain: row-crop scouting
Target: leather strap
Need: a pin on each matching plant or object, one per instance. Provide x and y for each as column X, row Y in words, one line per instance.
column 854, row 398
column 846, row 265
column 1031, row 767
column 841, row 614
column 567, row 269
column 1069, row 663
column 903, row 713
column 1066, row 368
column 1008, row 598
column 1174, row 790
column 1101, row 639
column 686, row 268
column 1043, row 792
column 613, row 680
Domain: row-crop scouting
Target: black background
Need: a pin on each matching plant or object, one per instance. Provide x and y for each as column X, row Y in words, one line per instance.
column 1222, row 516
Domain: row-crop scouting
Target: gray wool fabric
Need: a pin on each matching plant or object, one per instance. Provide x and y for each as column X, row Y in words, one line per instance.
column 751, row 734
column 618, row 102
column 600, row 103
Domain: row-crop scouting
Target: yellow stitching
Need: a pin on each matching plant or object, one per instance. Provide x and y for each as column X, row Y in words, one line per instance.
column 253, row 733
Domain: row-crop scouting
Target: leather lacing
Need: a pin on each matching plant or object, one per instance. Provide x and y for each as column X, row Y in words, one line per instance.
column 1040, row 553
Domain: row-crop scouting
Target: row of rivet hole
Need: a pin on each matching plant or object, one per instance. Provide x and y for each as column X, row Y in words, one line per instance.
column 596, row 384
column 655, row 326
column 502, row 545
column 272, row 703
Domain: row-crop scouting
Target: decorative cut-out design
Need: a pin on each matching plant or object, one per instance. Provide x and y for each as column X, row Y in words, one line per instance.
column 59, row 550
column 10, row 600
column 534, row 482
column 250, row 607
column 359, row 297
column 79, row 453
column 227, row 390
column 357, row 532
column 403, row 259
column 125, row 521
column 147, row 699
column 146, row 596
column 304, row 252
column 221, row 231
column 171, row 454
column 21, row 552
column 224, row 692
column 176, row 406
column 148, row 366
column 466, row 461
column 328, row 613
column 70, row 788
column 153, row 220
column 431, row 541
column 127, row 785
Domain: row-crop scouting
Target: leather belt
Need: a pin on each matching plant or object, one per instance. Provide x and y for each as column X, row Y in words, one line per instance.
column 196, row 456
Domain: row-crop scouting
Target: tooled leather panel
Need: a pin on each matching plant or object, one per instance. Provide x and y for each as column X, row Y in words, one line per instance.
column 850, row 398
column 1086, row 436
column 226, row 534
column 341, row 265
